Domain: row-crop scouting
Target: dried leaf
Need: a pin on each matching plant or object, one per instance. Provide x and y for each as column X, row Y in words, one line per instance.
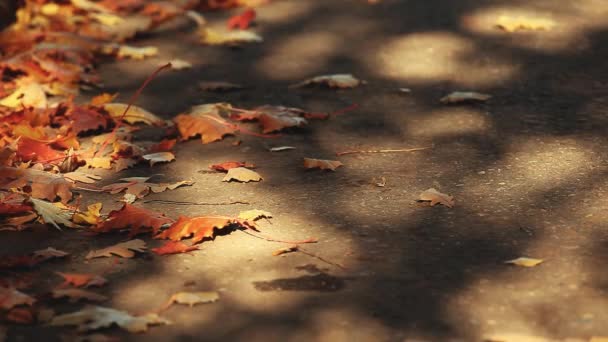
column 323, row 164
column 218, row 86
column 523, row 23
column 253, row 215
column 139, row 187
column 192, row 298
column 102, row 99
column 134, row 115
column 49, row 253
column 231, row 38
column 173, row 247
column 138, row 53
column 242, row 21
column 124, row 250
column 133, row 217
column 21, row 315
column 159, row 157
column 82, row 177
column 285, row 250
column 274, row 118
column 225, row 166
column 91, row 216
column 53, row 213
column 436, row 197
column 75, row 295
column 178, row 64
column 332, row 81
column 464, row 96
column 242, row 174
column 281, row 148
column 82, row 279
column 524, row 261
column 164, row 145
column 96, row 317
column 200, row 227
column 28, row 95
column 10, row 297
column 99, row 162
column 204, row 121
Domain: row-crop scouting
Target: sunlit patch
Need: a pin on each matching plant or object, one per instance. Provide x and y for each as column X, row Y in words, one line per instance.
column 276, row 14
column 571, row 22
column 441, row 56
column 449, row 122
column 299, row 56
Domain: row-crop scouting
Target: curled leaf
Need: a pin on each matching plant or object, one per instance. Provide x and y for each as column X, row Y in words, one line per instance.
column 242, row 174
column 464, row 96
column 96, row 317
column 524, row 261
column 322, row 164
column 332, row 81
column 159, row 157
column 436, row 197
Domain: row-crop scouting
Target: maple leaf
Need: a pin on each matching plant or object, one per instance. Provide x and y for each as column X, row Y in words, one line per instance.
column 49, row 253
column 53, row 213
column 164, row 146
column 75, row 295
column 323, row 164
column 225, row 166
column 205, row 121
column 464, row 96
column 173, row 247
column 91, row 216
column 332, row 81
column 29, row 149
column 200, row 227
column 192, row 298
column 96, row 317
column 133, row 217
column 124, row 250
column 159, row 157
column 27, row 95
column 10, row 297
column 84, row 119
column 134, row 115
column 243, row 20
column 242, row 174
column 139, row 186
column 82, row 279
column 436, row 197
column 274, row 118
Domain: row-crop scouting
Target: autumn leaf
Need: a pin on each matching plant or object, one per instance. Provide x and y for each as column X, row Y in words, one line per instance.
column 91, row 216
column 253, row 215
column 192, row 298
column 273, row 118
column 204, row 121
column 178, row 64
column 164, row 145
column 134, row 52
column 218, row 86
column 522, row 23
column 173, row 247
column 99, row 162
column 82, row 279
column 49, row 253
column 75, row 295
column 53, row 213
column 200, row 227
column 10, row 297
column 133, row 217
column 159, row 157
column 225, row 166
column 464, row 96
column 285, row 250
column 232, row 38
column 524, row 261
column 243, row 20
column 102, row 99
column 96, row 317
column 323, row 164
column 124, row 250
column 33, row 150
column 435, row 197
column 332, row 81
column 85, row 119
column 134, row 115
column 140, row 187
column 27, row 95
column 242, row 174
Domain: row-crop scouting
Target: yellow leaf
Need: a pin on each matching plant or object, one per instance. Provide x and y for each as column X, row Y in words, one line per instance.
column 192, row 298
column 285, row 250
column 159, row 157
column 134, row 115
column 332, row 81
column 524, row 261
column 513, row 24
column 134, row 52
column 212, row 37
column 436, row 197
column 125, row 250
column 107, row 19
column 91, row 216
column 242, row 174
column 29, row 95
column 464, row 96
column 100, row 162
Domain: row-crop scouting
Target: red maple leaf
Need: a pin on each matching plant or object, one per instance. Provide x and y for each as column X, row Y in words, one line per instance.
column 136, row 218
column 242, row 21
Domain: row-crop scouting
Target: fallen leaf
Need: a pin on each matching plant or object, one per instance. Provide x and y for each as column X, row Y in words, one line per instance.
column 164, row 145
column 242, row 174
column 102, row 99
column 285, row 250
column 28, row 95
column 53, row 213
column 436, row 197
column 10, row 297
column 91, row 216
column 134, row 115
column 253, row 215
column 178, row 64
column 41, row 184
column 124, row 250
column 231, row 38
column 332, row 81
column 39, row 151
column 99, row 162
column 281, row 148
column 323, row 164
column 136, row 218
column 173, row 247
column 218, row 86
column 225, row 166
column 75, row 295
column 139, row 186
column 134, row 52
column 159, row 157
column 96, row 317
column 204, row 121
column 522, row 23
column 464, row 96
column 192, row 298
column 21, row 315
column 199, row 227
column 82, row 279
column 524, row 261
column 82, row 177
column 276, row 118
column 242, row 21
column 49, row 253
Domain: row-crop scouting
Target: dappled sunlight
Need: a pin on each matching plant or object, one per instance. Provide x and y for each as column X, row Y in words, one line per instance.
column 442, row 56
column 449, row 121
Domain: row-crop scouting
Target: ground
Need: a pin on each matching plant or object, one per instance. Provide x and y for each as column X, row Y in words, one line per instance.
column 527, row 170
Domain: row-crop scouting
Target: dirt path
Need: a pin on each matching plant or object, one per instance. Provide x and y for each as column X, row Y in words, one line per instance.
column 527, row 170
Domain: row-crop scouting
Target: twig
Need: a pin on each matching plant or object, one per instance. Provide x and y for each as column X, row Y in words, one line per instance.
column 194, row 203
column 271, row 239
column 320, row 258
column 384, row 151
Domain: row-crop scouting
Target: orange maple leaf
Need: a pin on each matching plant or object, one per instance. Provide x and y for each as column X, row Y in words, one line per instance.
column 201, row 227
column 173, row 247
column 136, row 218
column 82, row 279
column 243, row 20
column 211, row 127
column 41, row 184
column 28, row 149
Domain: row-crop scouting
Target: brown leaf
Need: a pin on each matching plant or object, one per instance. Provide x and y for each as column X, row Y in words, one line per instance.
column 136, row 218
column 82, row 279
column 436, row 197
column 322, row 164
column 159, row 157
column 274, row 118
column 464, row 96
column 43, row 185
column 173, row 247
column 49, row 253
column 139, row 186
column 124, row 250
column 225, row 166
column 134, row 115
column 200, row 227
column 242, row 174
column 96, row 317
column 10, row 297
column 204, row 121
column 332, row 81
column 192, row 298
column 75, row 295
